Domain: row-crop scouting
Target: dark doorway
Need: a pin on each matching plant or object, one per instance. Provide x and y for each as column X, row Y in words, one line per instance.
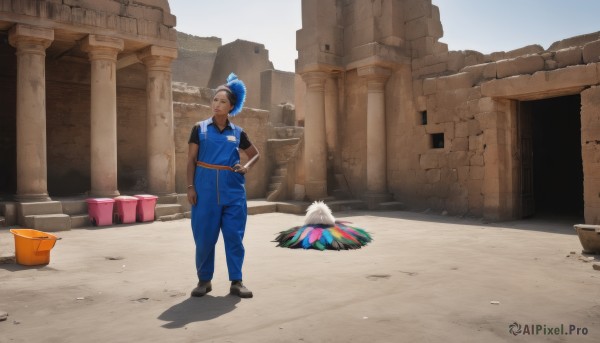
column 552, row 169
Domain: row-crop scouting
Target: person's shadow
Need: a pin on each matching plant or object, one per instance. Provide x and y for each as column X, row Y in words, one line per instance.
column 197, row 310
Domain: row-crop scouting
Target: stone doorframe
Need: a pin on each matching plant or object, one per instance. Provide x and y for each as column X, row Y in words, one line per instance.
column 502, row 200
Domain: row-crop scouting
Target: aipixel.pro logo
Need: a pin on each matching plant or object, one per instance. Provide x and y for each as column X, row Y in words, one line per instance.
column 516, row 329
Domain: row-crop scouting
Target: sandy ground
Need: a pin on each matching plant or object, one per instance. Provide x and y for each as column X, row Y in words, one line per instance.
column 425, row 278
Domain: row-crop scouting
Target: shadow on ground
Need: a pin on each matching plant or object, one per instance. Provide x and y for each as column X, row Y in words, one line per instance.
column 197, row 310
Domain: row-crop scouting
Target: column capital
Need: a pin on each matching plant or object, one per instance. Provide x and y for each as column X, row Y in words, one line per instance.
column 102, row 47
column 315, row 80
column 376, row 77
column 314, row 76
column 374, row 72
column 34, row 39
column 157, row 57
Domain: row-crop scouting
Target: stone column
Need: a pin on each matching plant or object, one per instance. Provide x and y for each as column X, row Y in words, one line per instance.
column 331, row 111
column 160, row 136
column 590, row 153
column 102, row 51
column 376, row 135
column 315, row 144
column 32, row 169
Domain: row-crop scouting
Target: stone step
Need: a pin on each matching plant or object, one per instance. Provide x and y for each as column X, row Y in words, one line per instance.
column 74, row 207
column 262, row 208
column 171, row 217
column 292, row 207
column 166, row 210
column 8, row 210
column 277, row 179
column 280, row 172
column 80, row 220
column 48, row 222
column 345, row 205
column 341, row 194
column 272, row 195
column 185, row 204
column 39, row 208
column 167, row 199
column 274, row 186
column 390, row 206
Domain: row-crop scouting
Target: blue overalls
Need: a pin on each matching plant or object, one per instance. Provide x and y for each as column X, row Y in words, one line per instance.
column 221, row 202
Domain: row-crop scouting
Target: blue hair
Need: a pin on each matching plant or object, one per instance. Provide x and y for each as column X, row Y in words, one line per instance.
column 238, row 88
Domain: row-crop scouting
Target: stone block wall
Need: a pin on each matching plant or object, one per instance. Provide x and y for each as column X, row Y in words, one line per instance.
column 68, row 128
column 277, row 88
column 142, row 20
column 247, row 60
column 471, row 97
column 195, row 59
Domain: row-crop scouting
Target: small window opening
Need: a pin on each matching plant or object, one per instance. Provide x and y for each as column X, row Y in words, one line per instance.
column 326, row 47
column 424, row 118
column 256, row 49
column 437, row 141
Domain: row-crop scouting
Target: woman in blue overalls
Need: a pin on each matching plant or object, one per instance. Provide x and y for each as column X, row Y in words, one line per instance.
column 216, row 187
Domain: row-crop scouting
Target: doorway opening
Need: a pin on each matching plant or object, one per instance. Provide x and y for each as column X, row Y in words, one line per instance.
column 551, row 163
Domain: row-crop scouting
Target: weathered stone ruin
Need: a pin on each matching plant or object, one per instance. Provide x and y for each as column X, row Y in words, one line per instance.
column 87, row 107
column 99, row 120
column 383, row 113
column 396, row 115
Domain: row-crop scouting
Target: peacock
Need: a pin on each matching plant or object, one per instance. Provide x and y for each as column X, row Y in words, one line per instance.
column 321, row 231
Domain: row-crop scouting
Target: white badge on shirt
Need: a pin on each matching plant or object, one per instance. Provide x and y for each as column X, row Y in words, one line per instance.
column 231, row 138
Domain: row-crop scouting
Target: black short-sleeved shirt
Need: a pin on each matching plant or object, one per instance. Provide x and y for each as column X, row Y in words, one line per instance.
column 244, row 141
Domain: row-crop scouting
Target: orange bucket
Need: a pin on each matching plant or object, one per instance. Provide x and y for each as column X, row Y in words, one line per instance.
column 32, row 247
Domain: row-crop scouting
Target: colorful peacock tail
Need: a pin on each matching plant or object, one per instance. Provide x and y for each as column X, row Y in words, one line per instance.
column 321, row 231
column 322, row 237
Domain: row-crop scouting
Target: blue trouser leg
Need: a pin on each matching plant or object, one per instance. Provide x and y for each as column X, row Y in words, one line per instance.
column 206, row 221
column 233, row 227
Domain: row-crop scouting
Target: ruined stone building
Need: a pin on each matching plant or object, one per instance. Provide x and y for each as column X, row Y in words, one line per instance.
column 394, row 114
column 86, row 103
column 195, row 59
column 203, row 62
column 391, row 117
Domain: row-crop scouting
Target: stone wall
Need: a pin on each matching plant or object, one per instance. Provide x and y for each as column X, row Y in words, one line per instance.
column 68, row 128
column 247, row 60
column 453, row 118
column 277, row 88
column 195, row 59
column 141, row 20
column 472, row 99
column 200, row 44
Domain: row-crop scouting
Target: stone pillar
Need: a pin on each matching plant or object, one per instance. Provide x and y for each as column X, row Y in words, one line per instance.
column 331, row 111
column 315, row 144
column 102, row 51
column 376, row 135
column 160, row 136
column 590, row 153
column 32, row 169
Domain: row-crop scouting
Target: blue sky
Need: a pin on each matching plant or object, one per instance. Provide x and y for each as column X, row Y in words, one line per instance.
column 482, row 25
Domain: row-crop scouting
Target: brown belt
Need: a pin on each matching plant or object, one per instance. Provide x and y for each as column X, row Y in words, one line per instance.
column 213, row 166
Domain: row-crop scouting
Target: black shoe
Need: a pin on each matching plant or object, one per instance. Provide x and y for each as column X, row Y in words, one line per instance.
column 202, row 288
column 238, row 288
